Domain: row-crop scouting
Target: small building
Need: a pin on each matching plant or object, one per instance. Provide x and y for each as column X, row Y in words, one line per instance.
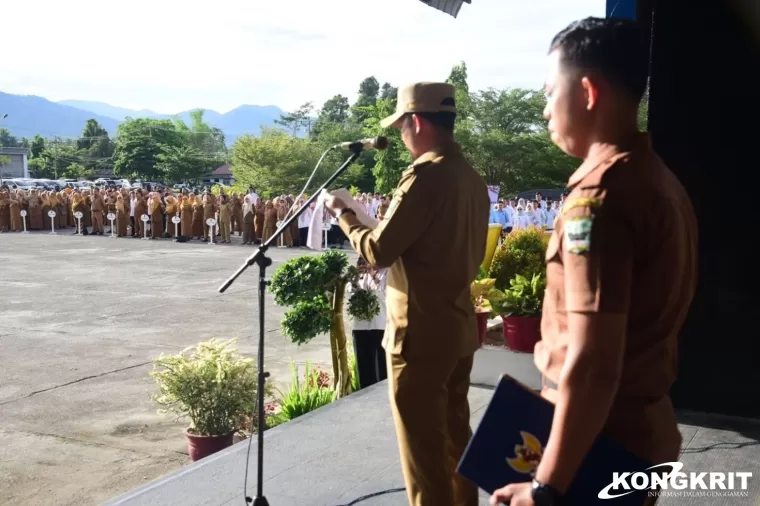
column 18, row 166
column 221, row 175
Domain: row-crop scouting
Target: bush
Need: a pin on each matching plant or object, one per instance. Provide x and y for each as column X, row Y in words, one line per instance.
column 523, row 252
column 212, row 386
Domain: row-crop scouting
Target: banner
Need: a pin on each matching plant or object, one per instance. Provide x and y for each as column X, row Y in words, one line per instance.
column 493, row 193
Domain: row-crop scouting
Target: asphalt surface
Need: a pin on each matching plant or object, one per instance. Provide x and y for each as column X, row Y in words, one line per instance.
column 81, row 319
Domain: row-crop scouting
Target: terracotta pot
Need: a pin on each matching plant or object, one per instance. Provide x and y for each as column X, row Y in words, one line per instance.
column 521, row 333
column 482, row 319
column 199, row 447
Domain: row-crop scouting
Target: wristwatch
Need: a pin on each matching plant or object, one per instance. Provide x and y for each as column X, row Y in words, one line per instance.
column 544, row 495
column 345, row 210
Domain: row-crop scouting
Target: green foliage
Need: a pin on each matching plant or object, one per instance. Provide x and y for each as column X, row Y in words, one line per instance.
column 307, row 284
column 354, row 366
column 307, row 319
column 211, row 385
column 523, row 252
column 524, row 297
column 305, row 395
column 363, row 305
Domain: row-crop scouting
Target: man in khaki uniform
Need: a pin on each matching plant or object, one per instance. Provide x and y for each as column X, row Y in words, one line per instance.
column 621, row 266
column 433, row 238
column 97, row 208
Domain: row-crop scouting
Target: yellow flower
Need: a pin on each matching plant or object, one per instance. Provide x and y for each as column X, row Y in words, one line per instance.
column 527, row 455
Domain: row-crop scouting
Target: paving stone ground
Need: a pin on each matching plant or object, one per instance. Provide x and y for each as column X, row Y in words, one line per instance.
column 81, row 318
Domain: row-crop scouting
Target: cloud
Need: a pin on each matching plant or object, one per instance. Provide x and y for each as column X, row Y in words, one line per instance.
column 171, row 55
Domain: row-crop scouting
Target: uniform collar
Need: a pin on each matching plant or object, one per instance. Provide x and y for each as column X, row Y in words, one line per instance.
column 607, row 153
column 447, row 148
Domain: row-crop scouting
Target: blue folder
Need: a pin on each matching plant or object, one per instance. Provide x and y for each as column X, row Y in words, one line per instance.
column 509, row 441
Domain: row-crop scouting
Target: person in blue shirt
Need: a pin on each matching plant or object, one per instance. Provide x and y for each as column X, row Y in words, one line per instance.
column 502, row 217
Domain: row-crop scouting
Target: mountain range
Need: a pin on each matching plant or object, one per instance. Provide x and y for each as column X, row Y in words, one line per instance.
column 29, row 115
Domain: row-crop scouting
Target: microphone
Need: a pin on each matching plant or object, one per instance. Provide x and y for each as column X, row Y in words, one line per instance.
column 369, row 143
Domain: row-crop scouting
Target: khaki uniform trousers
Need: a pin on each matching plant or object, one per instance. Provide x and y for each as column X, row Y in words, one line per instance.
column 432, row 416
column 97, row 221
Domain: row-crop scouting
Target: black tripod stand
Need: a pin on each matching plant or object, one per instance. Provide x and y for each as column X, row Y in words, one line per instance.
column 259, row 258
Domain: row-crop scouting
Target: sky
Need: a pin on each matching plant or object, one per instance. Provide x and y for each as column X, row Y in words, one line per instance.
column 169, row 56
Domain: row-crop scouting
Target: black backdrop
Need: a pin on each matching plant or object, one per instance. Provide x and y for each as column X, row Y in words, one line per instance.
column 703, row 115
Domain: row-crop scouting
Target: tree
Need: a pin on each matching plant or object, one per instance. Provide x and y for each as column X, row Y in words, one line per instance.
column 313, row 287
column 37, row 145
column 369, row 89
column 275, row 160
column 389, row 162
column 203, row 137
column 139, row 143
column 297, row 120
column 181, row 163
column 7, row 140
column 388, row 92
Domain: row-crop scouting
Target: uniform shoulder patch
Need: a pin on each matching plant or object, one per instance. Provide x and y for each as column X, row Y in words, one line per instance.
column 578, row 234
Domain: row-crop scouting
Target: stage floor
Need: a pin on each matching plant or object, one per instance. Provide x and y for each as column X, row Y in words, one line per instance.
column 347, row 450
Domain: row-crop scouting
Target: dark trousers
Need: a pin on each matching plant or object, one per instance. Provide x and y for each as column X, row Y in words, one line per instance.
column 370, row 356
column 335, row 236
column 304, row 233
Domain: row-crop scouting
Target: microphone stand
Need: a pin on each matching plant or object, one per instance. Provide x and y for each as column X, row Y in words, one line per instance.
column 259, row 258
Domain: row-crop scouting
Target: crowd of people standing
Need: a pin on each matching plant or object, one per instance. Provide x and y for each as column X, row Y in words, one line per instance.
column 149, row 214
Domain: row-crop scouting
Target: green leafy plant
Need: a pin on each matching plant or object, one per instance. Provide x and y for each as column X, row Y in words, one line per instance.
column 479, row 292
column 524, row 297
column 523, row 252
column 314, row 286
column 354, row 366
column 211, row 385
column 305, row 395
column 363, row 304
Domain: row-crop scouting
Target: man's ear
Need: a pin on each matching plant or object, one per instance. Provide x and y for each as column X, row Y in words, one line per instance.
column 591, row 92
column 417, row 124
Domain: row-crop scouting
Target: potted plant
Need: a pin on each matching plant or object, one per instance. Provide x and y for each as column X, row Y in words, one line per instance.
column 520, row 308
column 522, row 252
column 314, row 287
column 479, row 291
column 213, row 387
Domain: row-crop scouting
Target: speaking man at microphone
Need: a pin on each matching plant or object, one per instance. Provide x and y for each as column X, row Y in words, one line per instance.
column 433, row 238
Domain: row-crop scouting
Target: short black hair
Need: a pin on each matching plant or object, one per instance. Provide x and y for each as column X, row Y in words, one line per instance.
column 618, row 49
column 443, row 120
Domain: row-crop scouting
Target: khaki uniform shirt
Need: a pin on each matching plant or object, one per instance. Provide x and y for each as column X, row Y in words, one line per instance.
column 433, row 238
column 97, row 203
column 625, row 242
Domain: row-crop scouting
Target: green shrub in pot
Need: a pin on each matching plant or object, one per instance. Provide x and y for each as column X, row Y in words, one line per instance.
column 523, row 252
column 523, row 298
column 210, row 385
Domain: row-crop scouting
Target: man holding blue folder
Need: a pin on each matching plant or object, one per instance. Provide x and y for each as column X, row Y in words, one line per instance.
column 621, row 265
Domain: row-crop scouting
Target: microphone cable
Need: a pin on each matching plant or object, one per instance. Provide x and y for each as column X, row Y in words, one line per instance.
column 308, row 182
column 262, row 423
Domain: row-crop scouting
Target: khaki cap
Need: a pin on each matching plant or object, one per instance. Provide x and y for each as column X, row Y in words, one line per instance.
column 421, row 97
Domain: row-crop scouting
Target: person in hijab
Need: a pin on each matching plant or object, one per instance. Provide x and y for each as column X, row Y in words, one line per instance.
column 172, row 210
column 258, row 220
column 122, row 215
column 281, row 206
column 270, row 220
column 156, row 211
column 197, row 218
column 35, row 210
column 247, row 223
column 186, row 217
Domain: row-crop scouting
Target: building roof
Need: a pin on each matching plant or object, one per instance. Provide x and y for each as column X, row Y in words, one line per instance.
column 13, row 151
column 224, row 170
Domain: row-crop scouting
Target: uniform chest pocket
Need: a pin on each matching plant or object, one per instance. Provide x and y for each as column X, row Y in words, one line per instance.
column 552, row 250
